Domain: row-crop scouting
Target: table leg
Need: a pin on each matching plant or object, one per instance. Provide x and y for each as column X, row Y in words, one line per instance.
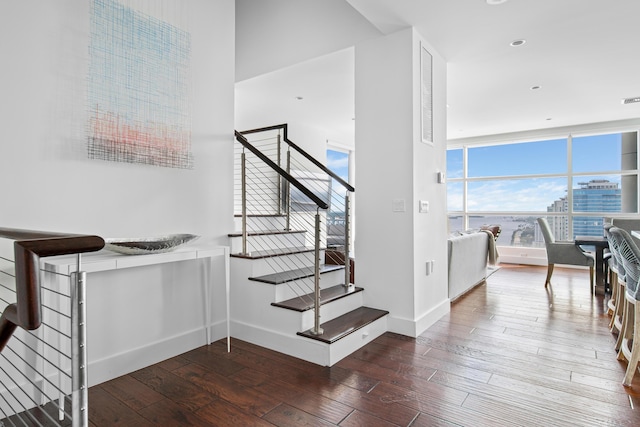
column 599, row 270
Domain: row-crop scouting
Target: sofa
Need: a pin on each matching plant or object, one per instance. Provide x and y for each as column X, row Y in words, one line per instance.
column 469, row 255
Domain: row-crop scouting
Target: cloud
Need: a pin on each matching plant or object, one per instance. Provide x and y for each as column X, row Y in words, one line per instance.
column 335, row 163
column 515, row 195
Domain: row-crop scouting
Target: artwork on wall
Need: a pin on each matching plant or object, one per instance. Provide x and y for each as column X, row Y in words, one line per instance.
column 139, row 88
column 426, row 95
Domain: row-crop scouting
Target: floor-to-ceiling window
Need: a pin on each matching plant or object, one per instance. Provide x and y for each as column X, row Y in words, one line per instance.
column 575, row 181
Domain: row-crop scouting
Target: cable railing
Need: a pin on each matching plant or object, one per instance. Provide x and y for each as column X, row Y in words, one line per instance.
column 43, row 355
column 284, row 193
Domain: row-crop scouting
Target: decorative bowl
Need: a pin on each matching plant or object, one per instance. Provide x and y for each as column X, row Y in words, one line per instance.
column 148, row 245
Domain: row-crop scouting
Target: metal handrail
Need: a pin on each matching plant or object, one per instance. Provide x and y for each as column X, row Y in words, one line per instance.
column 306, row 155
column 29, row 246
column 293, row 181
column 40, row 380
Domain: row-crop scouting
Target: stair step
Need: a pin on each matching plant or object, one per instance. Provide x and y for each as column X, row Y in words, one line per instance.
column 305, row 302
column 275, row 252
column 266, row 233
column 291, row 275
column 346, row 324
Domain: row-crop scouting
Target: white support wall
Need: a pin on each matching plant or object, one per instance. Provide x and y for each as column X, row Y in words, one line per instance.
column 395, row 166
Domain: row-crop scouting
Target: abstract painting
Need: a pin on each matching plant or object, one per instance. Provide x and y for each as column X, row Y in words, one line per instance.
column 139, row 88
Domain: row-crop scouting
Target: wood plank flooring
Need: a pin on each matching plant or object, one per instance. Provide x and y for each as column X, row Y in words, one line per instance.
column 510, row 353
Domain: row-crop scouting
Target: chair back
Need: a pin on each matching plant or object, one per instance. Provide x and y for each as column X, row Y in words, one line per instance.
column 614, row 248
column 630, row 255
column 546, row 231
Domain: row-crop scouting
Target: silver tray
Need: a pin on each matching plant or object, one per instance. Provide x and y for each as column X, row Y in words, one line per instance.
column 148, row 245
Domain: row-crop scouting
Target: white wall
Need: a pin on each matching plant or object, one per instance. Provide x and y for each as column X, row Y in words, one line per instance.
column 49, row 184
column 274, row 34
column 393, row 164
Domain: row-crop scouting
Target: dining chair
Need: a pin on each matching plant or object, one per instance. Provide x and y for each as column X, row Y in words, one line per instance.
column 630, row 333
column 564, row 252
column 618, row 284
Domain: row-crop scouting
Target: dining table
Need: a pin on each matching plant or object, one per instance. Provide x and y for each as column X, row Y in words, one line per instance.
column 599, row 243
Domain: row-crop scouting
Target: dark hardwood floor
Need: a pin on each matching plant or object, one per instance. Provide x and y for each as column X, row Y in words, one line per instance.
column 510, row 353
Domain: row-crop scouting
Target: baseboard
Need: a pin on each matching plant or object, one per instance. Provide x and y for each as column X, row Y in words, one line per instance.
column 119, row 364
column 413, row 328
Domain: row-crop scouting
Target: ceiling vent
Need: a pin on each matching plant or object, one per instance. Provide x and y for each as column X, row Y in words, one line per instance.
column 631, row 100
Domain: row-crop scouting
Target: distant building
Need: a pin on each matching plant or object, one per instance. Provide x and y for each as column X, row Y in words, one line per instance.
column 559, row 224
column 597, row 195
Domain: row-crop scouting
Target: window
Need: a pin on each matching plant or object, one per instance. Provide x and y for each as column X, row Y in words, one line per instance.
column 576, row 182
column 338, row 162
column 599, row 153
column 514, row 195
column 455, row 167
column 528, row 158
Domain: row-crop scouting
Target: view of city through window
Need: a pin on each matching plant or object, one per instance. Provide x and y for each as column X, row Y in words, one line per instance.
column 514, row 184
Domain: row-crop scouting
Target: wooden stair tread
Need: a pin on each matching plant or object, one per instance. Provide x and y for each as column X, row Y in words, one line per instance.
column 346, row 324
column 291, row 275
column 266, row 233
column 305, row 302
column 274, row 252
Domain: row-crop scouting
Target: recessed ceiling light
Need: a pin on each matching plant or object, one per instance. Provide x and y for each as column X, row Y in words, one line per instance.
column 516, row 43
column 631, row 100
column 535, row 87
column 495, row 2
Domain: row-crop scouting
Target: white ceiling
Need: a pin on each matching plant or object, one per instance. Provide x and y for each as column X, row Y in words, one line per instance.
column 584, row 55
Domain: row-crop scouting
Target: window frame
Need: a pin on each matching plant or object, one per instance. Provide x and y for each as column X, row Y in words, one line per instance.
column 570, row 175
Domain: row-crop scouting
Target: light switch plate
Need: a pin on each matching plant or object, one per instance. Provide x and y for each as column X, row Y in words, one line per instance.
column 398, row 205
column 424, row 206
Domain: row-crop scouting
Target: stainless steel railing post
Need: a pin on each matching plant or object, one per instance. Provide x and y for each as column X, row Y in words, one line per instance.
column 79, row 377
column 317, row 330
column 288, row 194
column 243, row 178
column 279, row 183
column 347, row 264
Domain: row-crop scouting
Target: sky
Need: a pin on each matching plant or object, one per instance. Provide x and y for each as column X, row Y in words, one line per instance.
column 600, row 153
column 338, row 162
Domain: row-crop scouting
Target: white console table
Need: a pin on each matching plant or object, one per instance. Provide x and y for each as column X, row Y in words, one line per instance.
column 107, row 260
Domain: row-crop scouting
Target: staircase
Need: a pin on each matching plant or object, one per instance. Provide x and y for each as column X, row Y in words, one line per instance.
column 290, row 292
